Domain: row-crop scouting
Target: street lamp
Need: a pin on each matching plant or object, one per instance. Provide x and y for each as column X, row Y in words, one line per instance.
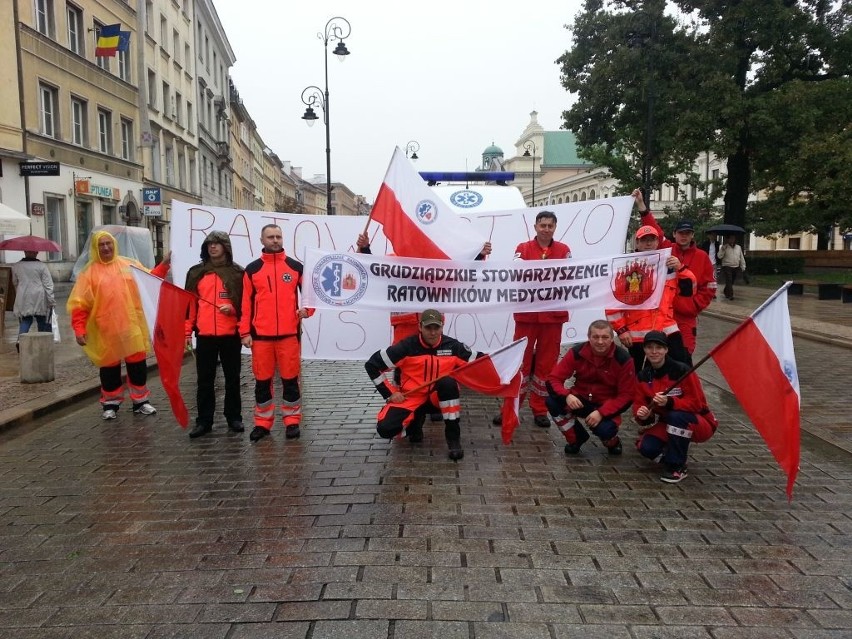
column 335, row 29
column 529, row 145
column 412, row 148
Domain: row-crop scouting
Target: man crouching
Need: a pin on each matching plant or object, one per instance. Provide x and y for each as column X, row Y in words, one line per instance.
column 423, row 361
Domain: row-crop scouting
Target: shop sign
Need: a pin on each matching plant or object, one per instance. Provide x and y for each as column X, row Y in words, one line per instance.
column 85, row 187
column 36, row 209
column 30, row 169
column 152, row 202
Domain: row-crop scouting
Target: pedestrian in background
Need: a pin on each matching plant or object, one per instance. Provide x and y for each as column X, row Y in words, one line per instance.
column 732, row 259
column 214, row 318
column 109, row 323
column 34, row 299
column 270, row 325
column 543, row 330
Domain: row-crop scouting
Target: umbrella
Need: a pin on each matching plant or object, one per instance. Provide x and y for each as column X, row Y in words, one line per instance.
column 30, row 243
column 726, row 228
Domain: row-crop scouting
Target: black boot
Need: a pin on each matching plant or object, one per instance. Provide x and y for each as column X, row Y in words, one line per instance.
column 452, row 431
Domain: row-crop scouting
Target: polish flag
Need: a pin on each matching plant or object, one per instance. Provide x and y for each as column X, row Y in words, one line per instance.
column 166, row 306
column 766, row 382
column 498, row 374
column 417, row 222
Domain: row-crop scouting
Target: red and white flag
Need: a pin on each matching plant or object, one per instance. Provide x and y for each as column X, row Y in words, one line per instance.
column 165, row 306
column 765, row 381
column 417, row 222
column 498, row 374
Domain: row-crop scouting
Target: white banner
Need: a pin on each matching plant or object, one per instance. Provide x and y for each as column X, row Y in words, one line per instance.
column 378, row 283
column 593, row 228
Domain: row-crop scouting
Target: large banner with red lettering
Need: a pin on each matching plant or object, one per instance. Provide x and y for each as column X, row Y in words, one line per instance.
column 593, row 228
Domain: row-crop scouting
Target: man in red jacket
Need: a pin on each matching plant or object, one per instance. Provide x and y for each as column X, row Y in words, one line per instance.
column 543, row 330
column 696, row 260
column 604, row 387
column 218, row 282
column 270, row 325
column 670, row 408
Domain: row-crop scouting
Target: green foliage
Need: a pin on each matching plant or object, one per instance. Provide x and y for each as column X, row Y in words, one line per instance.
column 776, row 264
column 763, row 83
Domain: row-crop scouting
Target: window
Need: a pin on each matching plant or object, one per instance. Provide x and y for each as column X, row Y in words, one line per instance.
column 79, row 134
column 75, row 30
column 189, row 115
column 49, row 99
column 200, row 48
column 102, row 62
column 108, row 214
column 104, row 131
column 170, row 166
column 149, row 17
column 126, row 139
column 178, row 108
column 167, row 101
column 55, row 223
column 794, row 243
column 187, row 55
column 164, row 32
column 176, row 45
column 181, row 167
column 152, row 89
column 207, row 53
column 44, row 17
column 193, row 181
column 215, row 66
column 124, row 65
column 715, row 174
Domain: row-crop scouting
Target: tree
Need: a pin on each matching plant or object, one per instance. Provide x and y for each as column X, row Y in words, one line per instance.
column 732, row 58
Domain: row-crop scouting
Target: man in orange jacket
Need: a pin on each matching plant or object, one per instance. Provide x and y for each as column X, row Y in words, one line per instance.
column 687, row 306
column 214, row 317
column 270, row 325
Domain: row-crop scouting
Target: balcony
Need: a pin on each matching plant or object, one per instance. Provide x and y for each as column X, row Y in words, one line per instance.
column 223, row 154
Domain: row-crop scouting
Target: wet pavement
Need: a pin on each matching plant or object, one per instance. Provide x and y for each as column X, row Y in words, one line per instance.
column 130, row 529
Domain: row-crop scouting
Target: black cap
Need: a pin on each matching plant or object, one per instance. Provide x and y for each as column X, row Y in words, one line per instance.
column 430, row 317
column 658, row 337
column 684, row 225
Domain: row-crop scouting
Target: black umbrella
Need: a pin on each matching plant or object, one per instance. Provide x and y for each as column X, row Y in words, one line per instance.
column 726, row 228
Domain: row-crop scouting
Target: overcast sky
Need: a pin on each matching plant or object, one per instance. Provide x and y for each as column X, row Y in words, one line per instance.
column 452, row 75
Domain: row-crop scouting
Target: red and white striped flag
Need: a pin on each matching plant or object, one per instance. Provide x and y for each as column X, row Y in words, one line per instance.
column 165, row 306
column 417, row 222
column 766, row 382
column 498, row 374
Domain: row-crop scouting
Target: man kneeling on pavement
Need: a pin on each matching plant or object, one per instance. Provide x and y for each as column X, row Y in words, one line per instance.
column 604, row 387
column 671, row 412
column 423, row 358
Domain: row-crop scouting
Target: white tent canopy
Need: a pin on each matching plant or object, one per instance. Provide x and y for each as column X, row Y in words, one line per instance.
column 12, row 222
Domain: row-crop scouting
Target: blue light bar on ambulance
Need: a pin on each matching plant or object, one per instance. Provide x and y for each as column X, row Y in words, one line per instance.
column 468, row 176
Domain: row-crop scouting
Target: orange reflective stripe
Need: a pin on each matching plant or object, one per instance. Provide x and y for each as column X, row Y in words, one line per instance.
column 112, row 397
column 138, row 394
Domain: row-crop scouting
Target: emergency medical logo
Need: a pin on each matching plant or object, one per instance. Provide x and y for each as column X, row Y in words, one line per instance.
column 287, row 277
column 426, row 211
column 339, row 279
column 634, row 278
column 466, row 199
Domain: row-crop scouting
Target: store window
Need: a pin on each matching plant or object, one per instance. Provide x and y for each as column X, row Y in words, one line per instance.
column 55, row 221
column 83, row 222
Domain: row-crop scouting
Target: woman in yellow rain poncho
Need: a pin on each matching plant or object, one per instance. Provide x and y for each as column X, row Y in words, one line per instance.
column 108, row 322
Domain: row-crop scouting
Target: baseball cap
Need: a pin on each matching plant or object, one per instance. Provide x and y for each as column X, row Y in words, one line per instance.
column 430, row 317
column 646, row 230
column 684, row 225
column 657, row 336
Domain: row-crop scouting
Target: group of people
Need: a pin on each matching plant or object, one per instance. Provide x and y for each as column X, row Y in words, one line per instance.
column 637, row 358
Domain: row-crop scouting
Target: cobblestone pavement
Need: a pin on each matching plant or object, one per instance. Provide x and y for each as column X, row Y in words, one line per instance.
column 129, row 529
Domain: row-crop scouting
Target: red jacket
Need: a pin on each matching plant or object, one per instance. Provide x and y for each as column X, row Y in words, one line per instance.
column 687, row 396
column 532, row 251
column 205, row 316
column 608, row 380
column 270, row 302
column 687, row 307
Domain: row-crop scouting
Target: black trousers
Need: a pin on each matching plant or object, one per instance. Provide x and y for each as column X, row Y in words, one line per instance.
column 209, row 351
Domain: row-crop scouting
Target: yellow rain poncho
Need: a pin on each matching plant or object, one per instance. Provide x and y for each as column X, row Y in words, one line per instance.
column 104, row 305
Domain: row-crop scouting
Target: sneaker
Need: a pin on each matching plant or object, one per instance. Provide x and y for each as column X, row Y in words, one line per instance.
column 582, row 437
column 236, row 427
column 258, row 433
column 674, row 476
column 200, row 429
column 292, row 431
column 542, row 421
column 615, row 450
column 456, row 453
column 497, row 420
column 144, row 409
column 108, row 414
